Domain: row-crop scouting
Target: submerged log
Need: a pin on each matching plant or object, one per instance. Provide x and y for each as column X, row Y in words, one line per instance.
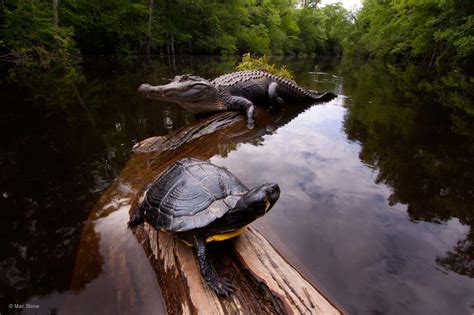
column 265, row 283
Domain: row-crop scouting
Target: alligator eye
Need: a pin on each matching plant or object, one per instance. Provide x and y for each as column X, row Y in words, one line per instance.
column 183, row 78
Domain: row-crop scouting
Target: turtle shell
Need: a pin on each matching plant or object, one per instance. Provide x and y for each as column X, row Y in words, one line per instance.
column 191, row 194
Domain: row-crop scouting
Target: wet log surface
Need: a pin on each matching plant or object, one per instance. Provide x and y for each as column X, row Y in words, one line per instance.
column 265, row 283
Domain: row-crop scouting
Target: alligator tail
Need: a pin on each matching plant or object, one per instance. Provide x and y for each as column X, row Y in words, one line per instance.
column 322, row 96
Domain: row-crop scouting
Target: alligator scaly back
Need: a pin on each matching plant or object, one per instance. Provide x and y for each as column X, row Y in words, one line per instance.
column 292, row 89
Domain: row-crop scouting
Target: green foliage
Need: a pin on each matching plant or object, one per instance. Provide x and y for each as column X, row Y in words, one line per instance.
column 105, row 26
column 312, row 36
column 337, row 25
column 255, row 38
column 125, row 27
column 437, row 32
column 323, row 30
column 252, row 63
column 27, row 33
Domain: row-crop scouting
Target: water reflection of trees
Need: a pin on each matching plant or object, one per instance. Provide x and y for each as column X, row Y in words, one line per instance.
column 422, row 148
column 69, row 130
column 47, row 175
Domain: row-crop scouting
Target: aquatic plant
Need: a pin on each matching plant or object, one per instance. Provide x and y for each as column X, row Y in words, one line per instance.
column 253, row 63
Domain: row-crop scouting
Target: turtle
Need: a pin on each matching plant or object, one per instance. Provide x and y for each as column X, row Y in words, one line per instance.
column 200, row 202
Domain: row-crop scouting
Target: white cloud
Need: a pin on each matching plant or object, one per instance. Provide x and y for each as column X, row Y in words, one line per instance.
column 348, row 4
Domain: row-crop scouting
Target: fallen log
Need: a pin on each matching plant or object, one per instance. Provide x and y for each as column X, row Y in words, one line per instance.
column 265, row 283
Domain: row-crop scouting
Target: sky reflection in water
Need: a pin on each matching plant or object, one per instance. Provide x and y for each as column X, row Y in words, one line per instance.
column 335, row 222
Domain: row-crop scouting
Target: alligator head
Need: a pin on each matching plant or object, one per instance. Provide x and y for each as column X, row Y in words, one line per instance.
column 186, row 90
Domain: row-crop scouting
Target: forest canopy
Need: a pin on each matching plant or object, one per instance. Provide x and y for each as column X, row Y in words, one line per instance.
column 32, row 27
column 438, row 33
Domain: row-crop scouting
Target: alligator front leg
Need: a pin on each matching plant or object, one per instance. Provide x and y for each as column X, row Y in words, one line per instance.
column 241, row 103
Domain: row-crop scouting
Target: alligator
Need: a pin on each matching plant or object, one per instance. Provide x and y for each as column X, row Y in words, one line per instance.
column 233, row 91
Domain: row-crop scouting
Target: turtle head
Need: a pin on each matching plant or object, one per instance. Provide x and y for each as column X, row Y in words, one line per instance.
column 259, row 200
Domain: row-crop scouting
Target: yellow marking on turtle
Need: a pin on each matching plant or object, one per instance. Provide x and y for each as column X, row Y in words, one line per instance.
column 222, row 237
column 226, row 236
column 267, row 203
column 142, row 197
column 215, row 209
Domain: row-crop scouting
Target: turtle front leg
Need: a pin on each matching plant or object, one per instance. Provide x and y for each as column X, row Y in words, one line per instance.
column 136, row 218
column 220, row 285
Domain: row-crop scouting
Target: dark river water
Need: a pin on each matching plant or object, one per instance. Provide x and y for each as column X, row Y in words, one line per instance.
column 377, row 200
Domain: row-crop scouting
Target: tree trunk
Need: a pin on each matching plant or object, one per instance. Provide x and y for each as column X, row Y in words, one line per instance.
column 172, row 45
column 151, row 5
column 54, row 4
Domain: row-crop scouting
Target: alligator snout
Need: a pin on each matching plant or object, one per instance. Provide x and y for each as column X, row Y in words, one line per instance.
column 145, row 88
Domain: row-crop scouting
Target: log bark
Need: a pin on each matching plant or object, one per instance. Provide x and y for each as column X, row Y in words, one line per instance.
column 264, row 282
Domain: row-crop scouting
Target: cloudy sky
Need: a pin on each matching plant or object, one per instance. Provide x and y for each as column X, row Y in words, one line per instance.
column 348, row 4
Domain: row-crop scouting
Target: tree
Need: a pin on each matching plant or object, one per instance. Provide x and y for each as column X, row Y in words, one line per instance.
column 29, row 30
column 436, row 32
